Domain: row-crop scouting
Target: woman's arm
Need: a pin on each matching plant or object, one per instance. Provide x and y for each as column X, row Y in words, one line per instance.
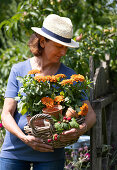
column 9, row 123
column 90, row 120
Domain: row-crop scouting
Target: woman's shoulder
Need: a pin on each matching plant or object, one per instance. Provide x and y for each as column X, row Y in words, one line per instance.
column 21, row 68
column 20, row 64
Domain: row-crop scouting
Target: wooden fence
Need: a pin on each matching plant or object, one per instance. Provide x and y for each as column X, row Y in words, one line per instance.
column 102, row 101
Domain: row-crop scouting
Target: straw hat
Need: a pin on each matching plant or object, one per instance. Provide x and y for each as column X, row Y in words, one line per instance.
column 58, row 29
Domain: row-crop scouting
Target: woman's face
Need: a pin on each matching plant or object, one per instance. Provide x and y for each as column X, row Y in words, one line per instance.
column 53, row 51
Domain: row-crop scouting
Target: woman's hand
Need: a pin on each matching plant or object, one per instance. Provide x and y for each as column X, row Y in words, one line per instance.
column 69, row 135
column 37, row 144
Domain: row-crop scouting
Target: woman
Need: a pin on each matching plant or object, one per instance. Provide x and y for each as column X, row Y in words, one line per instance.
column 48, row 44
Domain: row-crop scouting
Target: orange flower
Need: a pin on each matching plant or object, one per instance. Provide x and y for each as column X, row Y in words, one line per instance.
column 53, row 79
column 60, row 76
column 39, row 78
column 59, row 99
column 48, row 78
column 49, row 102
column 67, row 81
column 77, row 77
column 84, row 110
column 33, row 71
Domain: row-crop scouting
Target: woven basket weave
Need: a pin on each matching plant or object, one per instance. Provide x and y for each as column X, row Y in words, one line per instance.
column 47, row 132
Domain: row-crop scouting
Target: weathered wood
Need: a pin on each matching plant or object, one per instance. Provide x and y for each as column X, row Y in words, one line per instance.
column 98, row 140
column 106, row 100
column 109, row 114
column 93, row 148
column 102, row 103
column 101, row 82
column 104, row 130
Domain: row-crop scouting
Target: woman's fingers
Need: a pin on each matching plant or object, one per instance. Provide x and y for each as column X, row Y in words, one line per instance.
column 43, row 148
column 69, row 135
column 37, row 144
column 70, row 132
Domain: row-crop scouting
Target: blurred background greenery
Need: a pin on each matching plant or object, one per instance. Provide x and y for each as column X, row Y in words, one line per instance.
column 95, row 27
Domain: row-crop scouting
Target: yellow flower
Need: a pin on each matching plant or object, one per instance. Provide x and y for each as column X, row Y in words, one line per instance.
column 84, row 110
column 49, row 102
column 34, row 71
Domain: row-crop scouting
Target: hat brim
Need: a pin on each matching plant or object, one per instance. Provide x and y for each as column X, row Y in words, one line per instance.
column 72, row 44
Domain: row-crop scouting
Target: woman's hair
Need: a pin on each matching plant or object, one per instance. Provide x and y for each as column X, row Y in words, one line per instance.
column 34, row 44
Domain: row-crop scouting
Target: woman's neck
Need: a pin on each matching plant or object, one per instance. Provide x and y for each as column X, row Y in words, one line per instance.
column 45, row 67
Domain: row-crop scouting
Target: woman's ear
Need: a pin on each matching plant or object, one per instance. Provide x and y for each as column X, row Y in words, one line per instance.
column 42, row 41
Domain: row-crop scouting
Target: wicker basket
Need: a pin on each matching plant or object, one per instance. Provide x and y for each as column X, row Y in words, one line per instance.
column 47, row 131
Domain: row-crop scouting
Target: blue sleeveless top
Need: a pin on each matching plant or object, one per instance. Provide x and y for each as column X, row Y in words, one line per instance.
column 13, row 147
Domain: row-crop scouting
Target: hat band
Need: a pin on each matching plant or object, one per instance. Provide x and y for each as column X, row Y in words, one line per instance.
column 67, row 40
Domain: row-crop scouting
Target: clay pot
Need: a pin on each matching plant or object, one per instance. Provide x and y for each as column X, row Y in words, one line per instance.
column 38, row 122
column 71, row 113
column 54, row 111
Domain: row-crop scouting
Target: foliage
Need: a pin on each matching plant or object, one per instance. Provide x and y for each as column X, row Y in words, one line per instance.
column 110, row 152
column 8, row 57
column 89, row 18
column 35, row 88
column 8, row 8
column 65, row 123
column 37, row 92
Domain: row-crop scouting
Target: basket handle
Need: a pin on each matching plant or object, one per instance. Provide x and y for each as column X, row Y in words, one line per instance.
column 42, row 116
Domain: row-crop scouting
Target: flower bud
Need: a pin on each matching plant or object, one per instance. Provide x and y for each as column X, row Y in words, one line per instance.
column 64, row 118
column 55, row 138
column 69, row 119
column 49, row 140
column 1, row 125
column 55, row 135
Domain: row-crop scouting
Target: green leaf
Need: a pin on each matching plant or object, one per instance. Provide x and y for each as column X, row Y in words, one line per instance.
column 24, row 109
column 62, row 93
column 65, row 126
column 58, row 127
column 73, row 123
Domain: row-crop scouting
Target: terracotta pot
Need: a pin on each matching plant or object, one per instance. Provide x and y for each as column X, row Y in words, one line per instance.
column 71, row 113
column 38, row 122
column 54, row 111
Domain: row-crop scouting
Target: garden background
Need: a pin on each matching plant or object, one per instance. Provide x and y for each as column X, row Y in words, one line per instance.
column 95, row 28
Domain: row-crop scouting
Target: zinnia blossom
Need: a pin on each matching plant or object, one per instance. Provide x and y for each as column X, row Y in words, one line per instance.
column 59, row 99
column 39, row 78
column 67, row 81
column 84, row 110
column 53, row 79
column 49, row 102
column 34, row 71
column 77, row 77
column 60, row 76
column 48, row 78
